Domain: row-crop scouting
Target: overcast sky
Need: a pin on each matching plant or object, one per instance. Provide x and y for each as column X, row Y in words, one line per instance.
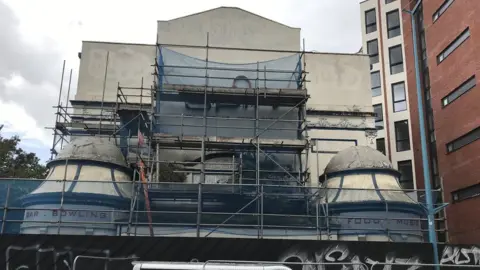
column 36, row 36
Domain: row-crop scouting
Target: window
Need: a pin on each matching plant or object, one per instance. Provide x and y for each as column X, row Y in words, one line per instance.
column 393, row 24
column 433, row 149
column 372, row 50
column 466, row 193
column 396, row 59
column 399, row 97
column 370, row 21
column 423, row 43
column 376, row 86
column 389, row 1
column 420, row 18
column 454, row 45
column 424, row 51
column 428, row 103
column 426, row 79
column 457, row 92
column 401, row 136
column 381, row 145
column 433, row 138
column 464, row 140
column 378, row 110
column 434, row 166
column 431, row 124
column 442, row 9
column 406, row 178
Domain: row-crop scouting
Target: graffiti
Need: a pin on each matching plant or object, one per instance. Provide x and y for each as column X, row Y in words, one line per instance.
column 63, row 252
column 341, row 256
column 460, row 255
column 40, row 257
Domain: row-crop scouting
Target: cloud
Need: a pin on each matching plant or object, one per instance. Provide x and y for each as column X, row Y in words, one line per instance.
column 16, row 121
column 33, row 44
column 29, row 75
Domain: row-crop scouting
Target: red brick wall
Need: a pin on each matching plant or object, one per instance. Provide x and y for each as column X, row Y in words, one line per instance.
column 462, row 167
column 412, row 94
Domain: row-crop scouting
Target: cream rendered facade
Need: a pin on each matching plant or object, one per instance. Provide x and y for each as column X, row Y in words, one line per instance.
column 387, row 80
column 338, row 84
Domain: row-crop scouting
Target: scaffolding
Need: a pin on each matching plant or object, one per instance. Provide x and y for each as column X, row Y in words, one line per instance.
column 229, row 142
column 203, row 210
column 237, row 123
column 232, row 123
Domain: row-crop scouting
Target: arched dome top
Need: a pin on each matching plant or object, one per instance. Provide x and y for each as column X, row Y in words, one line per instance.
column 358, row 157
column 93, row 149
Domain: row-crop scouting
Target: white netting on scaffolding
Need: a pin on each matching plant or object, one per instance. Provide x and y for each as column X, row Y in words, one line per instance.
column 179, row 68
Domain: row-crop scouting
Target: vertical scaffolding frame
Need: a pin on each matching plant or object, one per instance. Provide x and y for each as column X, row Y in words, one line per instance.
column 205, row 142
column 137, row 113
column 145, row 115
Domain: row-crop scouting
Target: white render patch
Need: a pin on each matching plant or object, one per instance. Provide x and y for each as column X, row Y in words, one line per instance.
column 358, row 157
column 94, row 149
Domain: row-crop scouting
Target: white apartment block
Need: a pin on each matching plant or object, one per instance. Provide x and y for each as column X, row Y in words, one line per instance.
column 382, row 39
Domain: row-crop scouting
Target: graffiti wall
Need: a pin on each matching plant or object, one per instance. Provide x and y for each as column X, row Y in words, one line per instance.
column 460, row 255
column 42, row 252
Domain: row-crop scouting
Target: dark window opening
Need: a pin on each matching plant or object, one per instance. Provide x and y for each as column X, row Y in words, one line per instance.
column 396, row 59
column 378, row 110
column 431, row 124
column 402, row 137
column 464, row 140
column 442, row 9
column 426, row 79
column 381, row 145
column 454, row 45
column 466, row 193
column 399, row 97
column 393, row 24
column 370, row 21
column 372, row 51
column 459, row 91
column 376, row 85
column 406, row 171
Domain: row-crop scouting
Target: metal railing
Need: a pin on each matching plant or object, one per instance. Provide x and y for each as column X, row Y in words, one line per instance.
column 201, row 210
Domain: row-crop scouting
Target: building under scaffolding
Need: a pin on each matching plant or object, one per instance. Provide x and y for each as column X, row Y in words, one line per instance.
column 215, row 135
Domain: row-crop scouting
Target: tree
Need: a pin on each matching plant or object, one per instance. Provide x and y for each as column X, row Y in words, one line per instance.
column 15, row 162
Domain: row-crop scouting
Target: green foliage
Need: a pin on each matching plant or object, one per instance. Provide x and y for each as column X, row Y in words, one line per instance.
column 16, row 163
column 168, row 174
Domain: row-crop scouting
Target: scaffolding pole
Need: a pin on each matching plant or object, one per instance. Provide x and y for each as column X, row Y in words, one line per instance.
column 202, row 177
column 103, row 92
column 53, row 152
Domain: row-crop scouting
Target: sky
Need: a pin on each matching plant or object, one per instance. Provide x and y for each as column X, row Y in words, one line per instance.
column 37, row 36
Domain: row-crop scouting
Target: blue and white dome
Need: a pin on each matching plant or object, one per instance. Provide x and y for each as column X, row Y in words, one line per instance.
column 360, row 174
column 364, row 196
column 90, row 181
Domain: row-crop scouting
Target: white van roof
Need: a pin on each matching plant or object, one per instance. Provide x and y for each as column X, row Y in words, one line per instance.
column 204, row 266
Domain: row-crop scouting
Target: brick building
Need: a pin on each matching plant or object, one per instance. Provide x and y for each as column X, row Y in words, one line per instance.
column 449, row 53
column 448, row 35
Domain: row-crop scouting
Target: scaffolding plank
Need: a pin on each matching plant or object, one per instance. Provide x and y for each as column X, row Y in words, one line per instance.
column 84, row 125
column 146, row 107
column 266, row 96
column 215, row 142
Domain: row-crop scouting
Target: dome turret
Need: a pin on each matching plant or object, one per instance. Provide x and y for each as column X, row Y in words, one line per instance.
column 363, row 193
column 89, row 180
column 358, row 158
